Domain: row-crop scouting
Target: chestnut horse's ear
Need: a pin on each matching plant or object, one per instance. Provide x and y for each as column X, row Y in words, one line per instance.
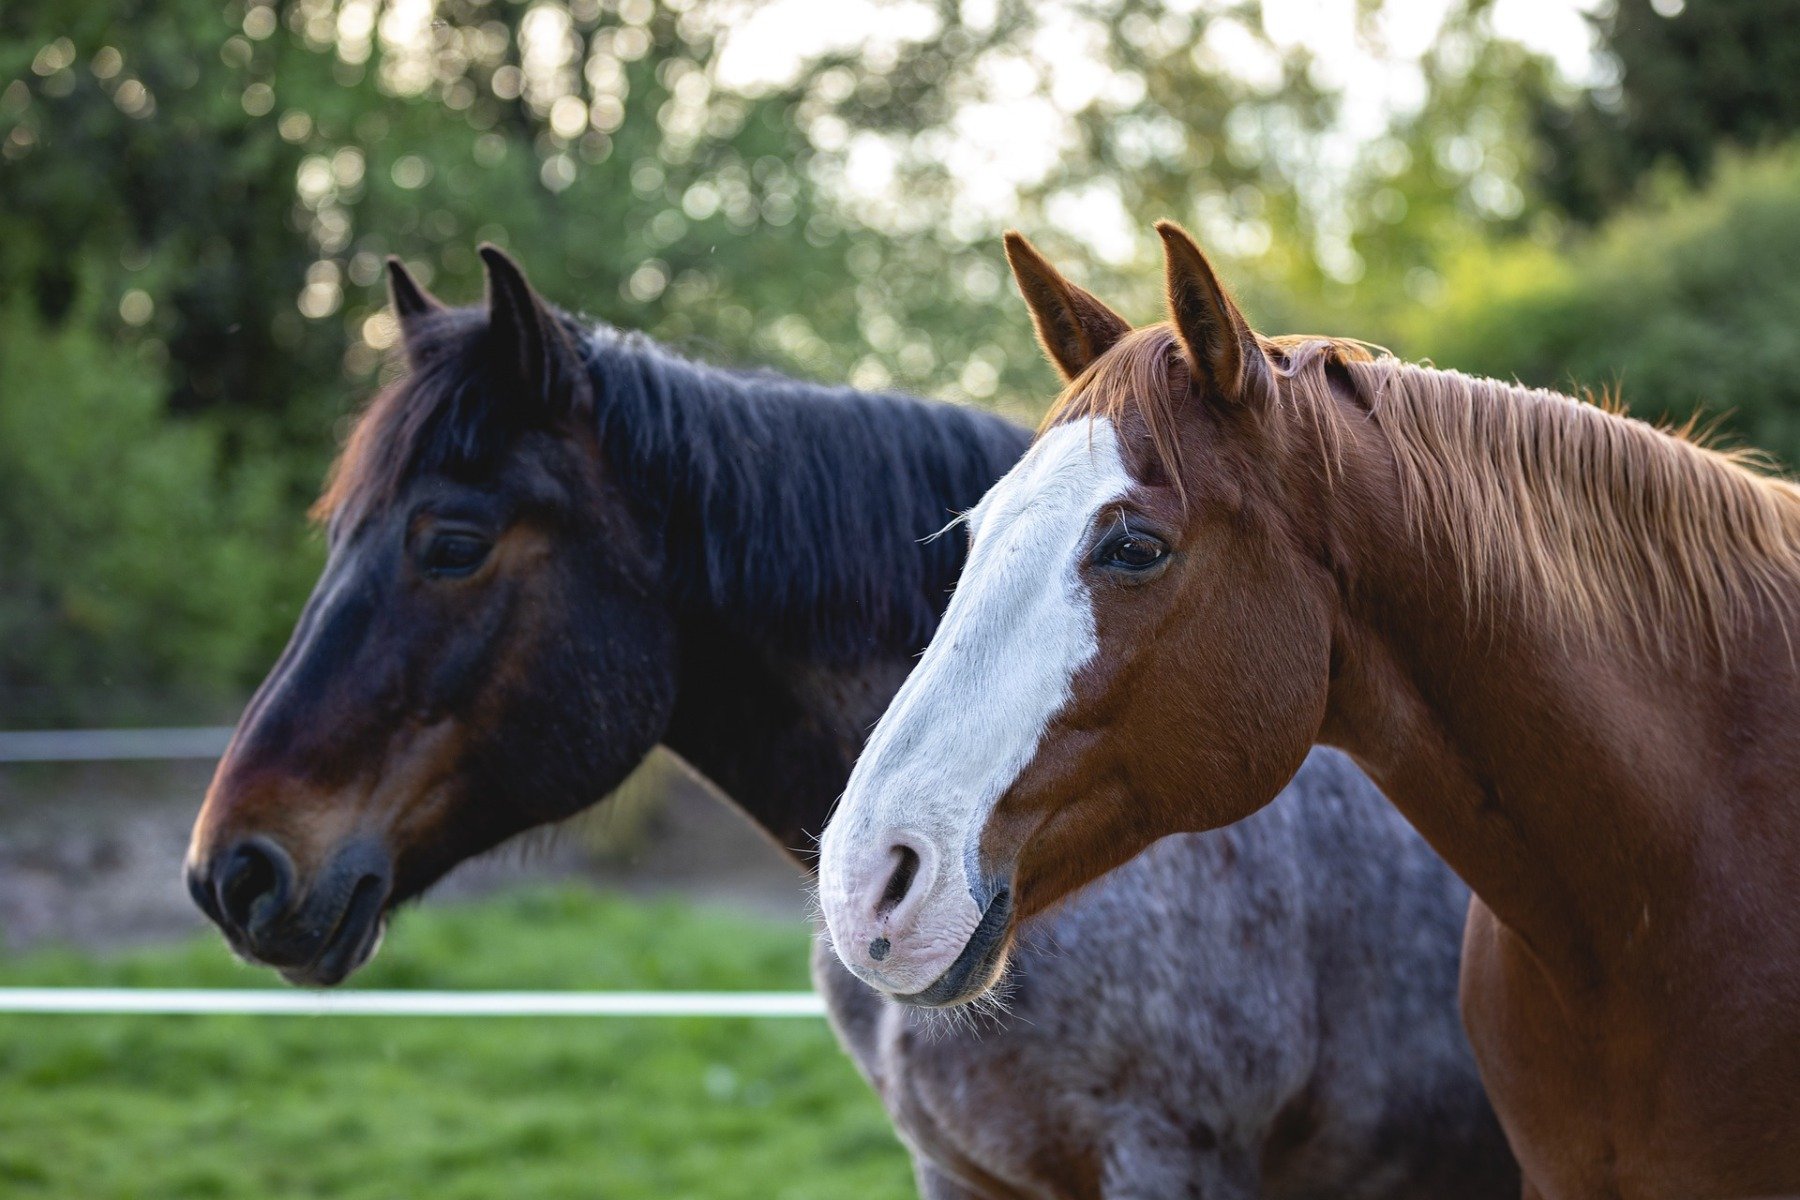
column 1074, row 326
column 526, row 336
column 410, row 302
column 1213, row 331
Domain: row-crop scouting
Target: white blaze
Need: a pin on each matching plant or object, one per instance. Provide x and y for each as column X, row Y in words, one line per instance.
column 970, row 716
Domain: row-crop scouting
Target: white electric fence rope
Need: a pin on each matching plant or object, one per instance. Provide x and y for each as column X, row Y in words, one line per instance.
column 271, row 1002
column 113, row 745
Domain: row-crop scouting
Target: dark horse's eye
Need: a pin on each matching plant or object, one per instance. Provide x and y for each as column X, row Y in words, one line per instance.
column 1131, row 552
column 453, row 555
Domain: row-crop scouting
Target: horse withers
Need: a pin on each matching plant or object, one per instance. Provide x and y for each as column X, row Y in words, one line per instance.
column 553, row 545
column 1562, row 641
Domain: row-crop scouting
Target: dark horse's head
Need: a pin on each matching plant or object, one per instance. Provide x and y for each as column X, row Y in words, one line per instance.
column 487, row 650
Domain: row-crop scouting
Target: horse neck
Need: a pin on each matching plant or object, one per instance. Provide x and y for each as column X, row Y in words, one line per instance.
column 777, row 733
column 796, row 520
column 1567, row 774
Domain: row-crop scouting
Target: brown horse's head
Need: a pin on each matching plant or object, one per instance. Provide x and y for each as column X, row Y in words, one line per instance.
column 1139, row 645
column 487, row 649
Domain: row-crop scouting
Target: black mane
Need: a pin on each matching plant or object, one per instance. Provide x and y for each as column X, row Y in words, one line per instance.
column 792, row 510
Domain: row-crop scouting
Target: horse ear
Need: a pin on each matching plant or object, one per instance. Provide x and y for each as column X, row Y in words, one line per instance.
column 526, row 336
column 1074, row 326
column 1212, row 329
column 411, row 302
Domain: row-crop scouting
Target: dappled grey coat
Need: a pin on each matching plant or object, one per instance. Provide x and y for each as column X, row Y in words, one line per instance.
column 1266, row 1010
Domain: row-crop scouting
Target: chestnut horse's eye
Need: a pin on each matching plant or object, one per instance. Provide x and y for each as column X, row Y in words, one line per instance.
column 453, row 555
column 1131, row 552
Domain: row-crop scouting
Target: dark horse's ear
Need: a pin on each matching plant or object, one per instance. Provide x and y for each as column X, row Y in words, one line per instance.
column 1213, row 331
column 411, row 303
column 527, row 338
column 1074, row 326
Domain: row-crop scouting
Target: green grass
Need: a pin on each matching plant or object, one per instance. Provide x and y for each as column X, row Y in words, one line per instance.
column 447, row 1108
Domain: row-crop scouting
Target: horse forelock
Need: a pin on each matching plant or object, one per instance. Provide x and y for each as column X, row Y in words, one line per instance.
column 444, row 413
column 1145, row 374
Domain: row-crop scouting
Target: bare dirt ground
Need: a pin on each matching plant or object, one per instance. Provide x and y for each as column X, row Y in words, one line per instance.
column 90, row 855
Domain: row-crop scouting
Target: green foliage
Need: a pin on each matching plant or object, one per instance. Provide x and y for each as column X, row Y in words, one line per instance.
column 1685, row 304
column 372, row 1108
column 135, row 561
column 199, row 195
column 203, row 191
column 1711, row 73
column 1452, row 172
column 131, row 161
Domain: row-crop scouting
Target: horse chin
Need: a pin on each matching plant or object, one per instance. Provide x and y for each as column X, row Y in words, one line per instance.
column 351, row 944
column 336, row 965
column 979, row 966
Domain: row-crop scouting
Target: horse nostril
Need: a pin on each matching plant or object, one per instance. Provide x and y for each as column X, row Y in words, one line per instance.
column 252, row 885
column 898, row 884
column 200, row 889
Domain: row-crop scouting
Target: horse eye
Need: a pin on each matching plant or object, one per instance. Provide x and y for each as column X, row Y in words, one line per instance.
column 453, row 555
column 1132, row 552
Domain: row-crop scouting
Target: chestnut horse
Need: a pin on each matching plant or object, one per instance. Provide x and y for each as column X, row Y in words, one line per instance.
column 1562, row 642
column 552, row 545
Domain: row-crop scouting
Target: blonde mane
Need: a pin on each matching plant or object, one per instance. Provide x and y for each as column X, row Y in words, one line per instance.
column 1594, row 521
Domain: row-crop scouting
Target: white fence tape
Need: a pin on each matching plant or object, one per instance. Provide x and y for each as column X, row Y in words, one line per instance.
column 113, row 745
column 272, row 1002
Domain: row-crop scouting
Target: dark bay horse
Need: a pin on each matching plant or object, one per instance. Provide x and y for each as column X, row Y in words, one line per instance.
column 553, row 546
column 1562, row 641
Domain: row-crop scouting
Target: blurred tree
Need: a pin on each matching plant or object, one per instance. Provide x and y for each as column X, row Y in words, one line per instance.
column 1454, row 170
column 201, row 192
column 267, row 158
column 1686, row 304
column 138, row 567
column 1690, row 77
column 269, row 154
column 138, row 154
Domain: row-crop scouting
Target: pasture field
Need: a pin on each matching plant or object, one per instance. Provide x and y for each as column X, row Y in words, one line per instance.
column 373, row 1108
